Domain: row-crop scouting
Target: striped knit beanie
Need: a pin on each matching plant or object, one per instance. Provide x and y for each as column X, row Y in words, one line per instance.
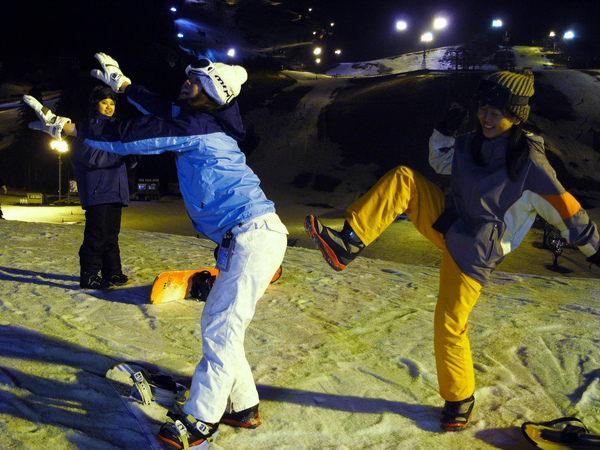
column 520, row 83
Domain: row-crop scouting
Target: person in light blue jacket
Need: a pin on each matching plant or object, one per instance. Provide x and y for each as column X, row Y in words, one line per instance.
column 226, row 204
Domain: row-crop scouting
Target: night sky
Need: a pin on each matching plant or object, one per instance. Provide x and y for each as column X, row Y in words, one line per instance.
column 369, row 26
column 364, row 29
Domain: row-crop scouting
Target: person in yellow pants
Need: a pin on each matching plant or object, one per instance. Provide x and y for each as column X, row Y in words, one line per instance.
column 501, row 180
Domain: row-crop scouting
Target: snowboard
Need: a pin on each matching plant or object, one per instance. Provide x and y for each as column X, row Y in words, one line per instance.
column 553, row 436
column 148, row 395
column 182, row 284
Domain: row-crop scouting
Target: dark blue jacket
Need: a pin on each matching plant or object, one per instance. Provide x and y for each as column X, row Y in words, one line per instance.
column 101, row 176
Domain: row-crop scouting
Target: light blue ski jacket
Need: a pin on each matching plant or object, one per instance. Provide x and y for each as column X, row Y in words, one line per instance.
column 218, row 188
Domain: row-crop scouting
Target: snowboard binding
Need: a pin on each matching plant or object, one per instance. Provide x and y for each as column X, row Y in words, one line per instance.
column 550, row 435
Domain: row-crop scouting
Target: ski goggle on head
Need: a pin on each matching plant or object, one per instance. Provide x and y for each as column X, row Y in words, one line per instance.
column 490, row 93
column 202, row 66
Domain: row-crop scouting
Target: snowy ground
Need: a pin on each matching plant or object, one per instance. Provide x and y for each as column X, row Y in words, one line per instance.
column 342, row 360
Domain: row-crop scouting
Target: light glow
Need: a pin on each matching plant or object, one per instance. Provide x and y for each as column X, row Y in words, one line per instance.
column 440, row 23
column 401, row 25
column 59, row 146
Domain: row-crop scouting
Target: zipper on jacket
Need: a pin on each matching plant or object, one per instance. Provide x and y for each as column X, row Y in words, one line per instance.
column 491, row 249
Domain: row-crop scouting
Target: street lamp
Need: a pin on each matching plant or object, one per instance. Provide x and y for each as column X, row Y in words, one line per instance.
column 439, row 23
column 497, row 23
column 401, row 25
column 552, row 37
column 425, row 38
column 61, row 147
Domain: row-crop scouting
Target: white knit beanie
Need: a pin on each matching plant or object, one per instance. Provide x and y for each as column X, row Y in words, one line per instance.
column 222, row 82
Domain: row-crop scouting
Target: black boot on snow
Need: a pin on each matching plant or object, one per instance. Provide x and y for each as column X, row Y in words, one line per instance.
column 183, row 432
column 456, row 415
column 247, row 418
column 94, row 281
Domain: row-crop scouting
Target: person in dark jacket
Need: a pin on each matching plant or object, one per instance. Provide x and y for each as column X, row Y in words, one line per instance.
column 103, row 192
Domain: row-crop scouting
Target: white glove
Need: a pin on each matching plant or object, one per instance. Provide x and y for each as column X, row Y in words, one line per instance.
column 111, row 73
column 49, row 122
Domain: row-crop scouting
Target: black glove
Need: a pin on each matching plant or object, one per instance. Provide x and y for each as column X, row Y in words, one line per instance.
column 131, row 160
column 595, row 258
column 456, row 118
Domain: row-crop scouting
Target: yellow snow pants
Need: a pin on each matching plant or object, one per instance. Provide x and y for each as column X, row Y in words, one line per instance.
column 399, row 191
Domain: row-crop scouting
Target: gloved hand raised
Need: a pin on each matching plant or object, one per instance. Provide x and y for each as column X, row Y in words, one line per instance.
column 456, row 118
column 111, row 73
column 49, row 122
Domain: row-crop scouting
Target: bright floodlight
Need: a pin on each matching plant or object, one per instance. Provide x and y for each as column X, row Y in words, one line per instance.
column 497, row 23
column 173, row 9
column 552, row 34
column 439, row 23
column 317, row 51
column 180, row 35
column 401, row 25
column 427, row 37
column 338, row 52
column 59, row 146
column 318, row 60
column 569, row 35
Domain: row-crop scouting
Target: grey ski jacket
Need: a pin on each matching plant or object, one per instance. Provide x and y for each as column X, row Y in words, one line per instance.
column 494, row 213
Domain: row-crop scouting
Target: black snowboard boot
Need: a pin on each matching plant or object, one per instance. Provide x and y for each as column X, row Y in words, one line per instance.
column 247, row 418
column 181, row 431
column 118, row 279
column 91, row 280
column 456, row 415
column 339, row 248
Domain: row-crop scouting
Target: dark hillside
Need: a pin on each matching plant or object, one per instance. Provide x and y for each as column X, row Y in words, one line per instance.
column 388, row 121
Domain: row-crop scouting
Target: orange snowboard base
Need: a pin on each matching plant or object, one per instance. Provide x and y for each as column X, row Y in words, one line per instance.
column 177, row 285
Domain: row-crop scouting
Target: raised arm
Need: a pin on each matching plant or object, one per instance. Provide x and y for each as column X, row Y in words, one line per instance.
column 111, row 73
column 441, row 142
column 49, row 122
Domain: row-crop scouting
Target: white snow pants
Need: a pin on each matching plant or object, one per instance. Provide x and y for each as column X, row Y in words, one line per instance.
column 223, row 372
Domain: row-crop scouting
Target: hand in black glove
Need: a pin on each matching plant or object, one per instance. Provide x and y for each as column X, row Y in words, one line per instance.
column 595, row 258
column 132, row 160
column 456, row 118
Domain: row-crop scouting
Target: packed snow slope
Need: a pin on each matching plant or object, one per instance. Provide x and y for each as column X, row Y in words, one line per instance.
column 342, row 360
